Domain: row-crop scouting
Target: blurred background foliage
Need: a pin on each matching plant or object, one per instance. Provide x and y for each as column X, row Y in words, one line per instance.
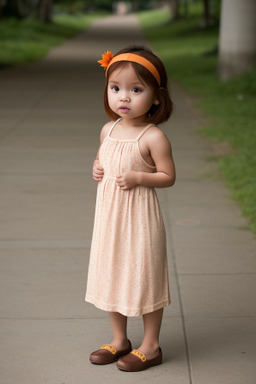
column 29, row 28
column 44, row 9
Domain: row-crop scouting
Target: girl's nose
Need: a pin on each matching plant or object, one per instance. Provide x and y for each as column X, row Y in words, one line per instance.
column 125, row 99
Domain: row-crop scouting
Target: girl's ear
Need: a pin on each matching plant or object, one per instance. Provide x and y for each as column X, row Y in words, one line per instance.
column 156, row 101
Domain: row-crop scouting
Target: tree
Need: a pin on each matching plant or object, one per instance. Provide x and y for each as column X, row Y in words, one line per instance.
column 18, row 8
column 45, row 11
column 207, row 14
column 210, row 12
column 237, row 41
column 175, row 8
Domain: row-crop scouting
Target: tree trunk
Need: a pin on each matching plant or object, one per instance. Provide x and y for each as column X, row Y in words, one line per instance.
column 45, row 11
column 237, row 47
column 18, row 8
column 174, row 6
column 207, row 14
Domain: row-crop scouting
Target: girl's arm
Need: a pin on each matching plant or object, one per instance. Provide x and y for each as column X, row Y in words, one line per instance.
column 97, row 170
column 161, row 152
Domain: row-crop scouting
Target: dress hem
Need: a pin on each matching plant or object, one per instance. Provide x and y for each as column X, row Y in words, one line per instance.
column 126, row 311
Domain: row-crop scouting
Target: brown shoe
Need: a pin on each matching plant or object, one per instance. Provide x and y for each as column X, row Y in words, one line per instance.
column 108, row 354
column 137, row 361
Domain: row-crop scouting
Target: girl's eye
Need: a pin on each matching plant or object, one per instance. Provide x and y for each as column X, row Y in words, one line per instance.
column 135, row 90
column 115, row 88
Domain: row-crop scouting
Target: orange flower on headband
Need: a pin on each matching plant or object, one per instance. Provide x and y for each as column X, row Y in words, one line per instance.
column 106, row 59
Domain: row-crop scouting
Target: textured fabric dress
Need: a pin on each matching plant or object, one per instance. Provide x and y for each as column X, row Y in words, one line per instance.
column 128, row 265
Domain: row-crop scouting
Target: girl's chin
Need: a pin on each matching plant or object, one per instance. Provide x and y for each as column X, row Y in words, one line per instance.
column 129, row 116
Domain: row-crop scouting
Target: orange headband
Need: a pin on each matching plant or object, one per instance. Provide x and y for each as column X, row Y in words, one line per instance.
column 108, row 59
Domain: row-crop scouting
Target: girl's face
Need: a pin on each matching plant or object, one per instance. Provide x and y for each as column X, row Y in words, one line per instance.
column 128, row 97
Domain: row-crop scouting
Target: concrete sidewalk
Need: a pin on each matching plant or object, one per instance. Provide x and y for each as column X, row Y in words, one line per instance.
column 51, row 115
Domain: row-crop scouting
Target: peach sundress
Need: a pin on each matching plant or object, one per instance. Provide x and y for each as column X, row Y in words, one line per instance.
column 128, row 265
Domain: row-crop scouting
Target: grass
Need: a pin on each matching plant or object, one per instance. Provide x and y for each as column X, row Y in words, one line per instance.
column 189, row 53
column 28, row 40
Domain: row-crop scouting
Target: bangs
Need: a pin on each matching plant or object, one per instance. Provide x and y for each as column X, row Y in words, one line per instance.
column 143, row 74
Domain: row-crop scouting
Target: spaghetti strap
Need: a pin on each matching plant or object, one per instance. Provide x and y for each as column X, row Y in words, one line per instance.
column 112, row 127
column 143, row 131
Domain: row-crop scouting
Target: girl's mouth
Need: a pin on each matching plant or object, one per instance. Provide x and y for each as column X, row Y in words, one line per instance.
column 124, row 109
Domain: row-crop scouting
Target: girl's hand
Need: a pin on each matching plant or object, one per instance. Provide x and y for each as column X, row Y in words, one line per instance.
column 127, row 180
column 97, row 171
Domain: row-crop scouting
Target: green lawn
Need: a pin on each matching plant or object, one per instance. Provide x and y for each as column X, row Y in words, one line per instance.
column 190, row 55
column 29, row 40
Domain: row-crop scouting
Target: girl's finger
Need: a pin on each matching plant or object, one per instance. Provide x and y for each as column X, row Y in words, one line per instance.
column 95, row 174
column 99, row 170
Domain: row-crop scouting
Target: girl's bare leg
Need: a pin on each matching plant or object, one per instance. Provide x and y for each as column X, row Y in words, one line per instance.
column 152, row 325
column 119, row 329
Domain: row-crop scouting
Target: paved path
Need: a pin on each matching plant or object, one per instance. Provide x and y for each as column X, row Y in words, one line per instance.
column 51, row 115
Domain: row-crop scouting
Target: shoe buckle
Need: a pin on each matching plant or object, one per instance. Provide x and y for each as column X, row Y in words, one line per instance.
column 109, row 348
column 140, row 355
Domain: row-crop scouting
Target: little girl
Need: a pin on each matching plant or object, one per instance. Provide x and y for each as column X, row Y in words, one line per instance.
column 128, row 266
